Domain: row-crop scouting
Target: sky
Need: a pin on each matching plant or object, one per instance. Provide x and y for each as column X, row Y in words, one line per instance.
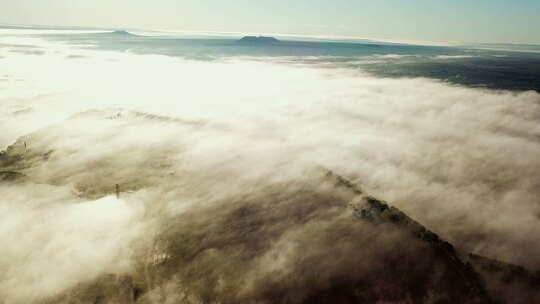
column 491, row 21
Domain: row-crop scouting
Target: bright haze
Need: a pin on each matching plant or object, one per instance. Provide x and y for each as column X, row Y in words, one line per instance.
column 413, row 20
column 268, row 152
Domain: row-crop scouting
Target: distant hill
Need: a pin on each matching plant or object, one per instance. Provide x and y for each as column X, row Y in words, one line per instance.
column 122, row 33
column 258, row 40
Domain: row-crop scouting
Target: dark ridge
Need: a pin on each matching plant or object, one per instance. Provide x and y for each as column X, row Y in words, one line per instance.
column 492, row 265
column 503, row 282
column 377, row 212
column 340, row 181
column 507, row 282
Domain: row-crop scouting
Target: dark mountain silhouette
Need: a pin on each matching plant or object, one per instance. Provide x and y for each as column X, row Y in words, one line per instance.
column 122, row 33
column 258, row 40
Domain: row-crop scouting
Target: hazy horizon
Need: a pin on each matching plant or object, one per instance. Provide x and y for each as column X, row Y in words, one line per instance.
column 459, row 21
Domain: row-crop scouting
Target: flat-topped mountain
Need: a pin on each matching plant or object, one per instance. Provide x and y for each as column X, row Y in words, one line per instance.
column 258, row 40
column 121, row 32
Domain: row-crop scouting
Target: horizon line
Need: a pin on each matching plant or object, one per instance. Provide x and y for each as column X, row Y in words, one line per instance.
column 324, row 37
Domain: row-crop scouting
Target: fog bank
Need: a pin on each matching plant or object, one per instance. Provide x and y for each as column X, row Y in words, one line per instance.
column 219, row 163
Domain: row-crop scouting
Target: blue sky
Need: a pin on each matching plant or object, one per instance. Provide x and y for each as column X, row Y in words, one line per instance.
column 423, row 20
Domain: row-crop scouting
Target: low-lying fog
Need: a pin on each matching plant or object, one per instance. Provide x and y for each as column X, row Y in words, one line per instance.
column 464, row 162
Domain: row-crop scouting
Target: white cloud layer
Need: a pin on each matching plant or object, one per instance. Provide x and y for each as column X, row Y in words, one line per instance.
column 462, row 161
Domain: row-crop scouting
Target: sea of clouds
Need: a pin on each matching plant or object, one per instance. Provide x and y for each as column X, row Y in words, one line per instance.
column 194, row 140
